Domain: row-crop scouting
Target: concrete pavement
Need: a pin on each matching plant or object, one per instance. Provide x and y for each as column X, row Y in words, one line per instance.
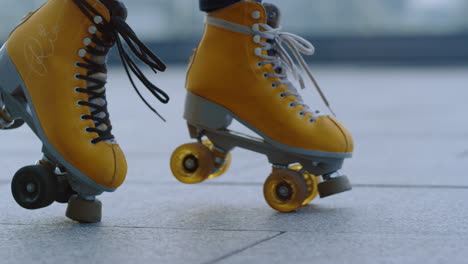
column 408, row 204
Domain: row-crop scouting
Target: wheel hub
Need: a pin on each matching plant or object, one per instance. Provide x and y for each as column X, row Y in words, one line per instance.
column 284, row 191
column 31, row 187
column 190, row 164
column 30, row 190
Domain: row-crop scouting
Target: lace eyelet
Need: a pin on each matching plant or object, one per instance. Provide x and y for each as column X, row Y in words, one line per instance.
column 311, row 120
column 258, row 51
column 92, row 142
column 265, row 75
column 301, row 113
column 78, row 103
column 291, row 105
column 82, row 53
column 82, row 117
column 77, row 76
column 92, row 30
column 259, row 64
column 282, row 95
column 87, row 130
column 86, row 41
column 76, row 90
column 273, row 85
column 76, row 64
column 256, row 15
column 256, row 27
column 97, row 19
column 257, row 39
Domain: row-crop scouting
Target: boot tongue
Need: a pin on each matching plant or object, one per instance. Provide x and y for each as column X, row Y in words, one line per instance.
column 273, row 15
column 116, row 8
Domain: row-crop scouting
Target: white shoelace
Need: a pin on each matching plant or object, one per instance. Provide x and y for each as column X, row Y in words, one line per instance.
column 282, row 61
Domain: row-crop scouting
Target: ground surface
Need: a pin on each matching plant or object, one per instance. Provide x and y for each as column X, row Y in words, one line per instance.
column 409, row 203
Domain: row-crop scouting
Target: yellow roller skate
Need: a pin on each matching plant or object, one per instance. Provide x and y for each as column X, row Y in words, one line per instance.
column 52, row 77
column 240, row 71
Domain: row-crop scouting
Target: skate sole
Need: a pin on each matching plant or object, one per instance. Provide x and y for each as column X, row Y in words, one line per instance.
column 213, row 120
column 18, row 102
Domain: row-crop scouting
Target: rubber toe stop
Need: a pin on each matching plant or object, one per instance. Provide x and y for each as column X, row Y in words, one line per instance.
column 334, row 186
column 84, row 211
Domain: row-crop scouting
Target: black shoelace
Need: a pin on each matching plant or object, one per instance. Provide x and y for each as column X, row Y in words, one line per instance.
column 111, row 33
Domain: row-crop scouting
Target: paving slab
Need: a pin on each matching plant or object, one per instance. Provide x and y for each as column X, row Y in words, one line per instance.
column 295, row 247
column 231, row 207
column 409, row 200
column 211, row 222
column 96, row 244
column 242, row 207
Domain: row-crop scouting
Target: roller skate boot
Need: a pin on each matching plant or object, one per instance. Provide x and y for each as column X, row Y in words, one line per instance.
column 244, row 69
column 52, row 78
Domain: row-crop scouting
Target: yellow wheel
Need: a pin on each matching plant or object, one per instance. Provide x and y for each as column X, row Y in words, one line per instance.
column 312, row 184
column 222, row 167
column 192, row 163
column 285, row 190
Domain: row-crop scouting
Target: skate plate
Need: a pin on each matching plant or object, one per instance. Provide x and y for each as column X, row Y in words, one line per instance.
column 209, row 119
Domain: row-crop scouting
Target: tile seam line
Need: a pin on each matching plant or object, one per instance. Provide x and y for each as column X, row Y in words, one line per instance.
column 415, row 186
column 148, row 227
column 279, row 232
column 226, row 256
column 357, row 185
column 246, row 184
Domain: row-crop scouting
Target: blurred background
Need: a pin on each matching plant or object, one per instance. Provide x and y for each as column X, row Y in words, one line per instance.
column 351, row 31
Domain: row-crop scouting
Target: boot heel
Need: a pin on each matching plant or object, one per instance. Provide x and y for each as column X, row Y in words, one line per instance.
column 11, row 91
column 207, row 114
column 10, row 79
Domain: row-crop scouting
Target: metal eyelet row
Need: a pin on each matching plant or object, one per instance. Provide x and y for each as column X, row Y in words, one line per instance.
column 258, row 52
column 83, row 119
column 301, row 113
column 87, row 41
column 82, row 53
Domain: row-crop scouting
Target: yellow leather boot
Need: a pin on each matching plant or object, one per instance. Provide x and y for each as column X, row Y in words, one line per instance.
column 52, row 77
column 240, row 71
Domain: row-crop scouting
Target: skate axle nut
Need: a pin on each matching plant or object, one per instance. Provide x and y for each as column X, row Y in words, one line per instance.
column 190, row 163
column 31, row 187
column 284, row 191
